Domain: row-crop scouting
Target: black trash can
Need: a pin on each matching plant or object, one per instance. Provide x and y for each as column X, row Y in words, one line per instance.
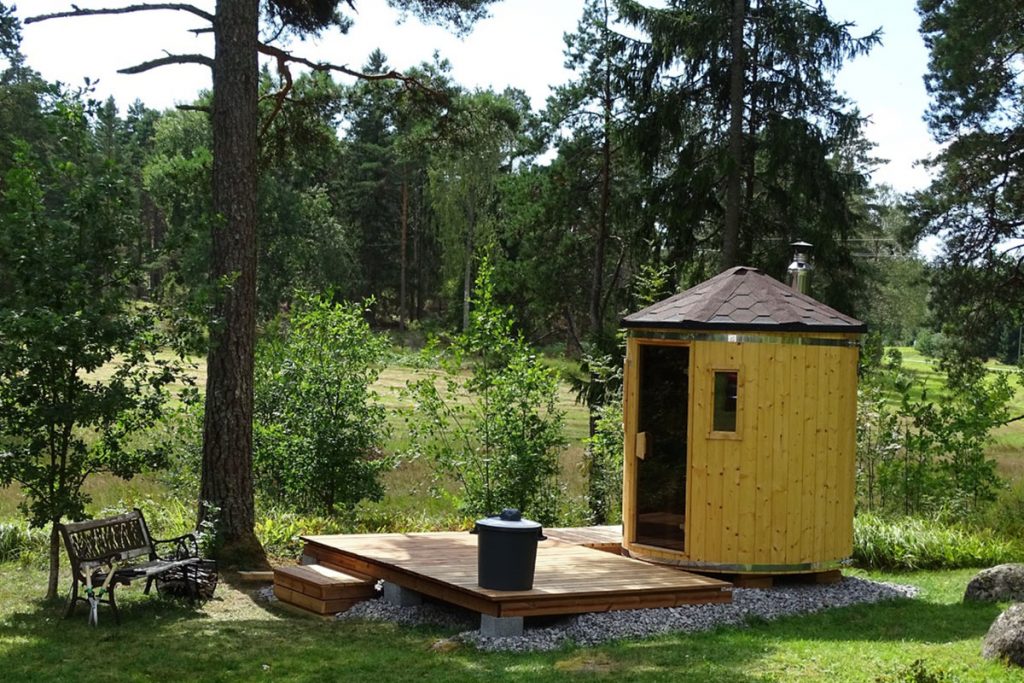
column 507, row 551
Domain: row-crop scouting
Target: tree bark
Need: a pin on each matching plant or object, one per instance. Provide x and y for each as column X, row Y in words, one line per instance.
column 156, row 227
column 51, row 581
column 402, row 315
column 597, row 281
column 227, row 431
column 731, row 230
column 467, row 274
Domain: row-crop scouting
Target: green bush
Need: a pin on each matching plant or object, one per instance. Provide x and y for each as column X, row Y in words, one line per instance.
column 910, row 543
column 318, row 430
column 279, row 531
column 498, row 433
column 923, row 452
column 1006, row 514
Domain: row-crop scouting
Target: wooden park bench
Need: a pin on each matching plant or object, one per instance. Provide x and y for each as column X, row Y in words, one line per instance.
column 118, row 550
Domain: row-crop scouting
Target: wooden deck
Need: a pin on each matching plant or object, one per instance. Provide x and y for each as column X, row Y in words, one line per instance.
column 607, row 538
column 569, row 578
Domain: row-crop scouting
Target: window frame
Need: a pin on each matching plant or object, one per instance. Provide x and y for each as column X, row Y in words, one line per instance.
column 736, row 434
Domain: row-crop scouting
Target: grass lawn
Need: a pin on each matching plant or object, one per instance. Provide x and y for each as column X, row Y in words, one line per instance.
column 235, row 638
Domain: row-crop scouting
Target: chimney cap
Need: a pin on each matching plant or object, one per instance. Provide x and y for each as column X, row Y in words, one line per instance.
column 801, row 245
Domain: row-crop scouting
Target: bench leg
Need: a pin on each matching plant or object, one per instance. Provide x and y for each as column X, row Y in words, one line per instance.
column 69, row 606
column 149, row 584
column 113, row 605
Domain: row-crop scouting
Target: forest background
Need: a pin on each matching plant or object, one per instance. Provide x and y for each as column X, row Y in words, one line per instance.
column 468, row 218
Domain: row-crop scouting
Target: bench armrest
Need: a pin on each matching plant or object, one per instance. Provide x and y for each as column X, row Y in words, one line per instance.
column 183, row 547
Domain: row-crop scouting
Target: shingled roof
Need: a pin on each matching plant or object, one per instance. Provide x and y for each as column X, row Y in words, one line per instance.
column 744, row 298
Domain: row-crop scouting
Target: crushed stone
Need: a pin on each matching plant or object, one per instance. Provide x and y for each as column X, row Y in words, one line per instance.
column 748, row 604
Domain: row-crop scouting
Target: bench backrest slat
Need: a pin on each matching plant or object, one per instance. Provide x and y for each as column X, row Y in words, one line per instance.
column 123, row 537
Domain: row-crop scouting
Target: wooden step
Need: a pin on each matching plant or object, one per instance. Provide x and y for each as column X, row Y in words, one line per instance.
column 320, row 589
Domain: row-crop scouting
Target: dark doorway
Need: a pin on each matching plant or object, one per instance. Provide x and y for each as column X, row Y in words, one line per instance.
column 664, row 391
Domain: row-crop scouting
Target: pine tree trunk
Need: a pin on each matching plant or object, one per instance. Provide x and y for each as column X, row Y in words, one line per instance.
column 403, row 261
column 227, row 431
column 156, row 227
column 597, row 280
column 731, row 230
column 51, row 582
column 467, row 274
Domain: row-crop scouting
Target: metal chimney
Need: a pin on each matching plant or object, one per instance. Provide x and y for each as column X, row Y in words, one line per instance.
column 799, row 271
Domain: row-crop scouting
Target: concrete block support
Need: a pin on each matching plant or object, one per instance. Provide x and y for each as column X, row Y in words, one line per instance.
column 500, row 627
column 402, row 597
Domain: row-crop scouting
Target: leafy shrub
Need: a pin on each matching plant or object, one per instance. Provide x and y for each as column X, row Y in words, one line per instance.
column 279, row 531
column 317, row 429
column 1006, row 515
column 604, row 463
column 499, row 433
column 933, row 344
column 919, row 453
column 912, row 543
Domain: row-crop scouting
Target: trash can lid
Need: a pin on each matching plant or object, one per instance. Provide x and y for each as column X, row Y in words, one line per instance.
column 510, row 519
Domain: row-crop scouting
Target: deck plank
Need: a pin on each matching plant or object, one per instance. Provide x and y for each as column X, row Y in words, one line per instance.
column 569, row 578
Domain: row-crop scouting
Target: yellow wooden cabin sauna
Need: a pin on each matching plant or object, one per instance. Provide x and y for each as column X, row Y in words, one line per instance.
column 740, row 407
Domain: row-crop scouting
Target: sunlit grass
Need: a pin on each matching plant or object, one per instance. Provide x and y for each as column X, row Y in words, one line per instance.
column 237, row 637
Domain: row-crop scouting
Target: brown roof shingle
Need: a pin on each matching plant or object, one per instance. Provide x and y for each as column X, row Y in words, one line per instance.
column 744, row 298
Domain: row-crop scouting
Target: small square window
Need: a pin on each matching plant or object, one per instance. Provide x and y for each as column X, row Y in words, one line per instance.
column 726, row 392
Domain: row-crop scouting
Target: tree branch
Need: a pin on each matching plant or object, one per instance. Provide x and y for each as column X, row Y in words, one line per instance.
column 128, row 9
column 1012, row 419
column 165, row 61
column 282, row 56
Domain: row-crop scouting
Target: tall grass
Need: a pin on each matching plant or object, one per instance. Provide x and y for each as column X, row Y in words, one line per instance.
column 910, row 543
column 19, row 541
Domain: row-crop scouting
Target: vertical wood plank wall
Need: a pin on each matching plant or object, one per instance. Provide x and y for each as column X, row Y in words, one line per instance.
column 782, row 493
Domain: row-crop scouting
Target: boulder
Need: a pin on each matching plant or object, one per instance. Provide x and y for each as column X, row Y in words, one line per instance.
column 1005, row 639
column 1003, row 583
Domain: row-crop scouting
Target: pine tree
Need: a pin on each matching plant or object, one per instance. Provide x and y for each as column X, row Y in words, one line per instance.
column 974, row 202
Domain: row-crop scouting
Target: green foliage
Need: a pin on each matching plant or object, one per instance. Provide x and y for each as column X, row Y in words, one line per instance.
column 910, row 543
column 66, row 312
column 922, row 451
column 501, row 442
column 279, row 531
column 318, row 427
column 1005, row 515
column 972, row 203
column 934, row 344
column 803, row 164
column 604, row 462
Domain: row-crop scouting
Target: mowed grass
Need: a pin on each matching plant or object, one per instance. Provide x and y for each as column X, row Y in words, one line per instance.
column 1007, row 447
column 237, row 637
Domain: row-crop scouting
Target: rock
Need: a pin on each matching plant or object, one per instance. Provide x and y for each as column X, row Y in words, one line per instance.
column 1004, row 582
column 1005, row 639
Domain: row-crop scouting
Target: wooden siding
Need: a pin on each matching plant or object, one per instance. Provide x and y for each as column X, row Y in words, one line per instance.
column 782, row 493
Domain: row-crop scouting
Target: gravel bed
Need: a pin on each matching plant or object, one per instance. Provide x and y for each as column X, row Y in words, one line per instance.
column 599, row 627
